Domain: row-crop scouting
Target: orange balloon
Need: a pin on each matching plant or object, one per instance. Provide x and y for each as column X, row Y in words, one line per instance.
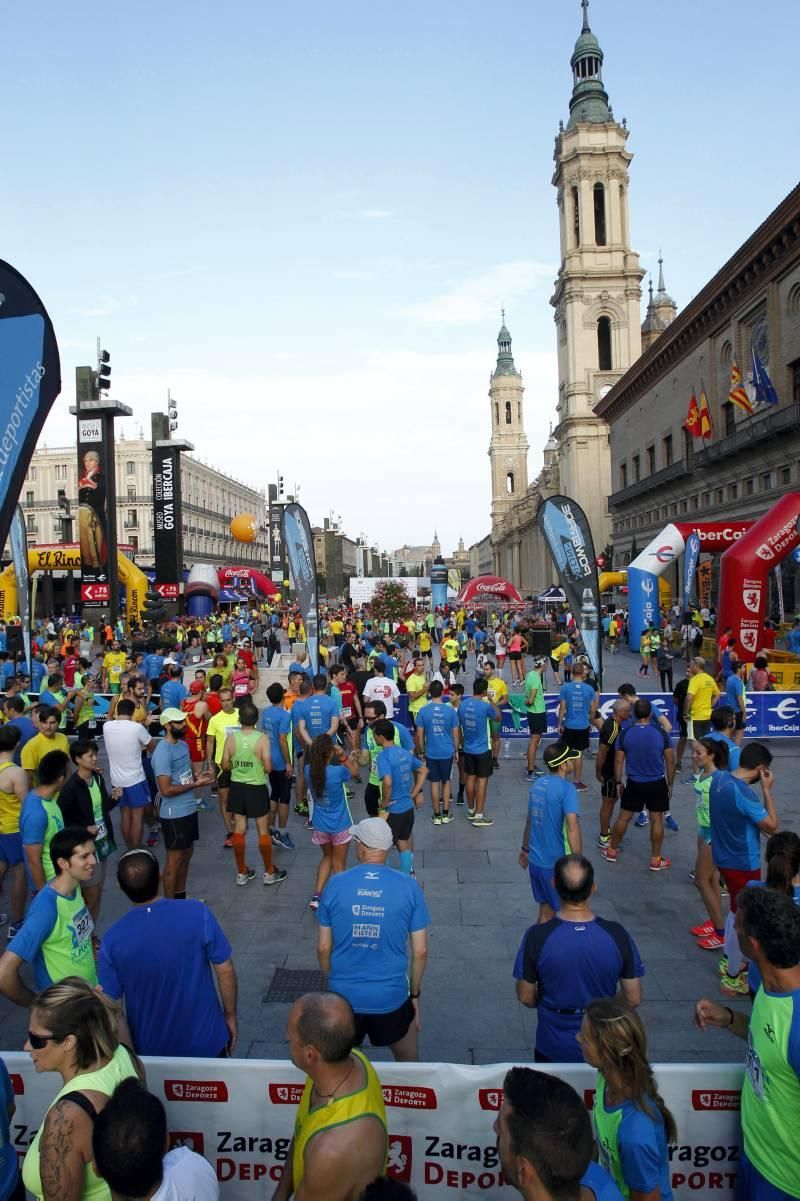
column 244, row 527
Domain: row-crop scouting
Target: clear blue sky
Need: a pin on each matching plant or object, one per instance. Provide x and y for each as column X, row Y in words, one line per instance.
column 303, row 218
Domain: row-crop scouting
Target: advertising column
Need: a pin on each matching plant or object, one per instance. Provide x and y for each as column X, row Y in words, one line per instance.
column 277, row 549
column 93, row 532
column 438, row 584
column 167, row 519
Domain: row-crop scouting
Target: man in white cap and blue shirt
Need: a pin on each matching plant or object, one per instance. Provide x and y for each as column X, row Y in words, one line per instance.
column 367, row 916
column 178, row 808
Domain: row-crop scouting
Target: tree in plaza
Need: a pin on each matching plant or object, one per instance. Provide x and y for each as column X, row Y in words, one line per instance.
column 391, row 602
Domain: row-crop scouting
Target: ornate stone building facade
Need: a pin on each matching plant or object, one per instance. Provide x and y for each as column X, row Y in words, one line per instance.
column 597, row 303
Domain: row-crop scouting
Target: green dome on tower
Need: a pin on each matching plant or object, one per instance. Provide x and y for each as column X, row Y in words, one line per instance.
column 589, row 98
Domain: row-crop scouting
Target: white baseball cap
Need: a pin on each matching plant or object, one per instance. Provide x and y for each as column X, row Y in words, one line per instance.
column 373, row 832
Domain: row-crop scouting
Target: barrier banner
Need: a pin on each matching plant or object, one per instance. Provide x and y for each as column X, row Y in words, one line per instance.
column 19, row 558
column 93, row 510
column 299, row 545
column 167, row 520
column 30, row 381
column 239, row 1114
column 566, row 531
column 691, row 558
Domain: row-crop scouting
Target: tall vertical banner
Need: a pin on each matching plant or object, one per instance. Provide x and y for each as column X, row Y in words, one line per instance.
column 691, row 557
column 439, row 575
column 19, row 557
column 30, row 381
column 704, row 584
column 566, row 531
column 277, row 551
column 93, row 514
column 167, row 520
column 299, row 547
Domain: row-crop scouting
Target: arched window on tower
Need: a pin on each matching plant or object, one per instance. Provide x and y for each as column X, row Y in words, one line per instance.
column 576, row 206
column 510, row 482
column 519, row 411
column 496, row 413
column 508, row 412
column 604, row 344
column 599, row 214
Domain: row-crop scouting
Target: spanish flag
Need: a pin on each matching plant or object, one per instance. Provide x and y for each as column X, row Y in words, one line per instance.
column 693, row 423
column 706, row 428
column 738, row 394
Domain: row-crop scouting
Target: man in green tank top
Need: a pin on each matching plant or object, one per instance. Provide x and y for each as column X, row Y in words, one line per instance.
column 56, row 936
column 246, row 756
column 768, row 927
column 41, row 818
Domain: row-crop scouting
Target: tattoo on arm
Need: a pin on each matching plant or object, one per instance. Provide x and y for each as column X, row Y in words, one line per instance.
column 61, row 1160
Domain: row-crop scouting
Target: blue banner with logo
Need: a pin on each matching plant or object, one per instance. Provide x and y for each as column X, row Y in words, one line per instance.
column 691, row 557
column 299, row 544
column 569, row 539
column 30, row 380
column 642, row 603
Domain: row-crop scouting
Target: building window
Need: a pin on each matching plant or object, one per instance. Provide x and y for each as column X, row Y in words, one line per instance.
column 134, row 543
column 131, row 492
column 28, row 498
column 623, row 475
column 706, row 500
column 61, row 498
column 576, row 207
column 749, row 487
column 728, row 420
column 688, row 448
column 719, row 496
column 695, row 503
column 130, row 467
column 30, row 522
column 510, row 482
column 651, row 460
column 133, row 520
column 795, row 383
column 599, row 214
column 604, row 344
column 497, row 414
column 733, row 491
column 636, row 469
column 766, row 481
column 519, row 411
column 508, row 412
column 666, row 447
column 61, row 471
column 786, row 475
column 31, row 474
column 684, row 506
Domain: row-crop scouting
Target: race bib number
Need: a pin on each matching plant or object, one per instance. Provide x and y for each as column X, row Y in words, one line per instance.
column 84, row 928
column 186, row 777
column 347, row 711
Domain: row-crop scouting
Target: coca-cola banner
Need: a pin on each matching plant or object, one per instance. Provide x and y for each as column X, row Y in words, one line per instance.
column 240, row 1115
column 566, row 530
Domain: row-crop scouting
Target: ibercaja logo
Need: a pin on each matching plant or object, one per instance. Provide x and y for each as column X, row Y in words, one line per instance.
column 490, row 1098
column 399, row 1157
column 191, row 1139
column 285, row 1094
column 714, row 1099
column 397, row 1096
column 195, row 1090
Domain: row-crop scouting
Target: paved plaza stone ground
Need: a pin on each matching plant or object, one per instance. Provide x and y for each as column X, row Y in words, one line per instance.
column 480, row 903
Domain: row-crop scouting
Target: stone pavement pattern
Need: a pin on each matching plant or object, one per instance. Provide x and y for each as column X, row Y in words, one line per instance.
column 480, row 903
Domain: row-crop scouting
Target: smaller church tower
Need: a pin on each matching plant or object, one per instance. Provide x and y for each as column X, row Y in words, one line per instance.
column 661, row 310
column 508, row 448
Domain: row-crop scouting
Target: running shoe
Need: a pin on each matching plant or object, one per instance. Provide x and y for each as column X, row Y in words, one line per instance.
column 529, row 777
column 670, row 823
column 604, row 840
column 460, row 799
column 643, row 819
column 703, row 930
column 712, row 942
column 437, row 819
column 734, row 986
column 301, row 810
column 448, row 817
column 608, row 854
column 228, row 841
column 314, row 902
column 282, row 840
column 723, row 965
column 660, row 865
column 471, row 815
column 14, row 929
column 689, row 779
column 481, row 819
column 277, row 877
column 204, row 807
column 152, row 837
column 243, row 878
column 496, row 764
column 348, row 792
column 723, row 889
column 581, row 787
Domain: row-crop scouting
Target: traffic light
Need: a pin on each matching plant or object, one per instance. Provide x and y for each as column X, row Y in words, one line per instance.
column 280, row 485
column 103, row 371
column 172, row 413
column 154, row 609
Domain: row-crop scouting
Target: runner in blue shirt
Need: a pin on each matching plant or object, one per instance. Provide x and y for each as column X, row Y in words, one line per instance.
column 276, row 722
column 319, row 713
column 367, row 918
column 737, row 820
column 736, row 697
column 552, row 827
column 402, row 776
column 327, row 769
column 723, row 724
column 178, row 811
column 475, row 714
column 437, row 737
column 577, row 709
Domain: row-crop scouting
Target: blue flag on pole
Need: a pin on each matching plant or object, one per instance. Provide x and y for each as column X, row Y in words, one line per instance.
column 765, row 389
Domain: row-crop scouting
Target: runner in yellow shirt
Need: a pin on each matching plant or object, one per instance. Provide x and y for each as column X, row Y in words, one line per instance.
column 497, row 695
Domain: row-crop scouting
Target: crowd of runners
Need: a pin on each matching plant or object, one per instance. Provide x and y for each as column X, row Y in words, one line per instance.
column 188, row 729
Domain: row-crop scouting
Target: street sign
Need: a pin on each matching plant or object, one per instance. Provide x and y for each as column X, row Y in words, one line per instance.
column 97, row 593
column 168, row 591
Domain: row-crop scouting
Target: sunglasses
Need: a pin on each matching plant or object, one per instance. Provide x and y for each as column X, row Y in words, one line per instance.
column 38, row 1041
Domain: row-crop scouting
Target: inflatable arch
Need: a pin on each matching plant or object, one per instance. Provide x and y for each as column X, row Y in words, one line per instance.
column 231, row 576
column 666, row 547
column 68, row 558
column 745, row 568
column 619, row 579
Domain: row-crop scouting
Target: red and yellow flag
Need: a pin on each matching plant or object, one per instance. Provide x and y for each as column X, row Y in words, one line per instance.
column 738, row 394
column 692, row 422
column 706, row 428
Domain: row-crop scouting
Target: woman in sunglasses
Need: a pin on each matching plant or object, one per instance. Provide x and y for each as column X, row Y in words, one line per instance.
column 73, row 1031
